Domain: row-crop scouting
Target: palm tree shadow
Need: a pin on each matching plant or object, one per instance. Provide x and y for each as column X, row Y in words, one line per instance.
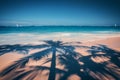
column 112, row 54
column 88, row 66
column 52, row 46
column 67, row 56
column 114, row 58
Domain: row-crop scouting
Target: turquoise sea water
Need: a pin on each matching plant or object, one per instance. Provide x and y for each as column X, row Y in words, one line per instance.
column 51, row 29
column 33, row 34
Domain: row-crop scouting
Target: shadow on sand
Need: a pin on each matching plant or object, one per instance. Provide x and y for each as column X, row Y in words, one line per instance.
column 85, row 67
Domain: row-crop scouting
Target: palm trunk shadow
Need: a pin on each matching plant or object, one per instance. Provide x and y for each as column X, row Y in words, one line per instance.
column 52, row 73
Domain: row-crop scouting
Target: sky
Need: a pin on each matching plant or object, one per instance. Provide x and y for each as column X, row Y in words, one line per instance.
column 59, row 12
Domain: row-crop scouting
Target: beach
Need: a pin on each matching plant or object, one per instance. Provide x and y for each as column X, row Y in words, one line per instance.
column 94, row 60
column 59, row 39
column 59, row 53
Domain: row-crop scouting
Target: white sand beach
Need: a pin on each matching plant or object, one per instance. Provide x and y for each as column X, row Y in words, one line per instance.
column 112, row 43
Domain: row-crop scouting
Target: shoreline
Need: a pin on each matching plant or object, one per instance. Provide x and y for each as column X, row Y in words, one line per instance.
column 29, row 38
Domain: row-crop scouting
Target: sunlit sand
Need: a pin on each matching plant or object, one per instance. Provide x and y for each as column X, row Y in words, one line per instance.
column 96, row 60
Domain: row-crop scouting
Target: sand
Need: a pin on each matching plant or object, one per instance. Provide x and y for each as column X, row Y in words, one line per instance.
column 113, row 43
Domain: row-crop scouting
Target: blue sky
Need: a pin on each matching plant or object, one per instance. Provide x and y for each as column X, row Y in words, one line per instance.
column 59, row 12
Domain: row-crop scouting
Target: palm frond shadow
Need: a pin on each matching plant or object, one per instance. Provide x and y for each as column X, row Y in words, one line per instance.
column 52, row 46
column 88, row 66
column 23, row 61
column 112, row 54
column 22, row 49
column 33, row 72
column 67, row 56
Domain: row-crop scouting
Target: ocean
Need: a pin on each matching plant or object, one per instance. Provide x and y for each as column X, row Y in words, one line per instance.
column 51, row 29
column 33, row 34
